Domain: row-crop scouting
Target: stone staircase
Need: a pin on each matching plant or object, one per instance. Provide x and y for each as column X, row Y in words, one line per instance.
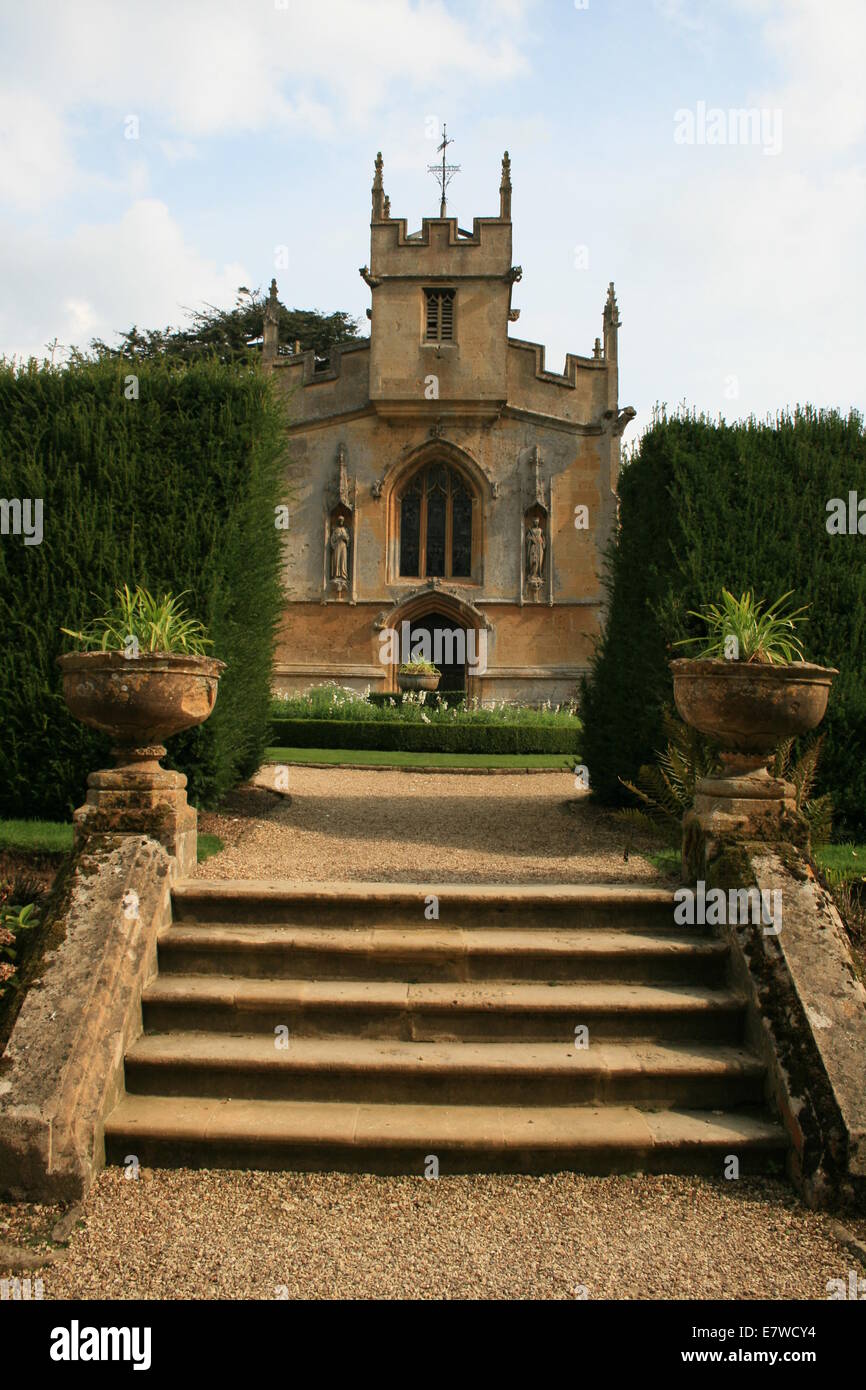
column 332, row 1026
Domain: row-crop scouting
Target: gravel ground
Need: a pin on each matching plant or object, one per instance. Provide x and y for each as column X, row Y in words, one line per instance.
column 192, row 1235
column 238, row 1235
column 421, row 827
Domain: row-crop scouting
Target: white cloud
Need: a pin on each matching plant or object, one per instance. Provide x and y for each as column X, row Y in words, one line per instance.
column 820, row 48
column 817, row 47
column 36, row 155
column 207, row 69
column 176, row 151
column 104, row 278
column 692, row 17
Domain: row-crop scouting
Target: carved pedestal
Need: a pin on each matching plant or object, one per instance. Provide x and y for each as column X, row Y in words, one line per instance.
column 745, row 803
column 141, row 798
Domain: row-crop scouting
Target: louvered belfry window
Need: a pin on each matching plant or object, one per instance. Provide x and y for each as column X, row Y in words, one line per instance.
column 440, row 315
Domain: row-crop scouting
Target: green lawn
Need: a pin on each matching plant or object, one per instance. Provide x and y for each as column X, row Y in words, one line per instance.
column 55, row 837
column 850, row 859
column 37, row 836
column 562, row 762
column 208, row 845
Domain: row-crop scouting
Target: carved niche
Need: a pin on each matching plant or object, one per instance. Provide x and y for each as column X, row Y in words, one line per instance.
column 339, row 539
column 535, row 570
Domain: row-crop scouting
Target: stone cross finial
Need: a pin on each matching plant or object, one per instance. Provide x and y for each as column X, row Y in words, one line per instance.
column 505, row 189
column 612, row 323
column 378, row 190
column 611, row 309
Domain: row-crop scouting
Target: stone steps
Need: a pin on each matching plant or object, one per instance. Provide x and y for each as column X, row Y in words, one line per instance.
column 435, row 1010
column 334, row 1025
column 442, row 1073
column 433, row 952
column 352, row 904
column 310, row 1136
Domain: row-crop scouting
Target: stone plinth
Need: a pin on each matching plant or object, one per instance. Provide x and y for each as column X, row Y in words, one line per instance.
column 739, row 806
column 140, row 801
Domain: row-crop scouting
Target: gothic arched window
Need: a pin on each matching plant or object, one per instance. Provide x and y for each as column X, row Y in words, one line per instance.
column 436, row 525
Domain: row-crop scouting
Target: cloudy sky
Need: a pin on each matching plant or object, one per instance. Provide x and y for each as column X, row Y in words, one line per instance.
column 737, row 247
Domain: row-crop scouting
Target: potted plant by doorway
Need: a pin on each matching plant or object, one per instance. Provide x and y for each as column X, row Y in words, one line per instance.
column 418, row 675
column 749, row 687
column 140, row 674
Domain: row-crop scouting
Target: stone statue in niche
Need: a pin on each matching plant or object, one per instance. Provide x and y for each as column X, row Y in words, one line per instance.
column 535, row 547
column 339, row 543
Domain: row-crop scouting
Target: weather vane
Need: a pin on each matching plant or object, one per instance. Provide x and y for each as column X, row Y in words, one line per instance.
column 444, row 172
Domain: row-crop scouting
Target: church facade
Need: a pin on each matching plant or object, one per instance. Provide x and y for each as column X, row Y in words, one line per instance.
column 450, row 496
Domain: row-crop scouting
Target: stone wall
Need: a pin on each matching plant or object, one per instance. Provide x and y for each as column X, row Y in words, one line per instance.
column 807, row 1012
column 62, row 1071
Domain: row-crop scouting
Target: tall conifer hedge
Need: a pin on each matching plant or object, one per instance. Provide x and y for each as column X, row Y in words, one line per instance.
column 705, row 505
column 174, row 489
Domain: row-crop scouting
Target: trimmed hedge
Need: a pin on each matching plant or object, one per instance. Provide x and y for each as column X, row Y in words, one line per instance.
column 175, row 490
column 424, row 738
column 705, row 505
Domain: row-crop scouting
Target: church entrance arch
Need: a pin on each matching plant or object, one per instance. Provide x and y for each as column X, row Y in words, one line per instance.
column 438, row 635
column 442, row 630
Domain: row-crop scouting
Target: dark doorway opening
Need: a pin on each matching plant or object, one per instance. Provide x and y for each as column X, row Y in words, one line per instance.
column 446, row 643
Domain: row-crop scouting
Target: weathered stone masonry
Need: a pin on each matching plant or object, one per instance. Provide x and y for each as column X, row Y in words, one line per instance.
column 441, row 406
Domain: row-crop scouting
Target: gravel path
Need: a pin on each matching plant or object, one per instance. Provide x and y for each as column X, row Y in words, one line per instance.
column 420, row 827
column 182, row 1234
column 189, row 1234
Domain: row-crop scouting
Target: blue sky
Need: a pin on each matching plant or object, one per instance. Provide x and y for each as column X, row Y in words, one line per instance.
column 738, row 266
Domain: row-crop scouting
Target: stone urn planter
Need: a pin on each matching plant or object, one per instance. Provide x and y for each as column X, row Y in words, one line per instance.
column 418, row 680
column 139, row 701
column 748, row 708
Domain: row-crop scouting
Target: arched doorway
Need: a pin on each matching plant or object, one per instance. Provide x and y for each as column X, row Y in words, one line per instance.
column 444, row 629
column 446, row 641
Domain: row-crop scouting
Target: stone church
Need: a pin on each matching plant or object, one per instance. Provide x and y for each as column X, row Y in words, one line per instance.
column 446, row 487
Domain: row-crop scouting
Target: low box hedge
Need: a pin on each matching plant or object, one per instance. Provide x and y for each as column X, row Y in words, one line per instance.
column 425, row 738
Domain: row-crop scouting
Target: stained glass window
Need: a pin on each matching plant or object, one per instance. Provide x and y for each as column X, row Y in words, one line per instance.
column 461, row 531
column 436, row 525
column 410, row 530
column 437, row 511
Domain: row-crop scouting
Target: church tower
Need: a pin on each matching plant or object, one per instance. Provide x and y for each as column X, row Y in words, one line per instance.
column 440, row 311
column 443, row 478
